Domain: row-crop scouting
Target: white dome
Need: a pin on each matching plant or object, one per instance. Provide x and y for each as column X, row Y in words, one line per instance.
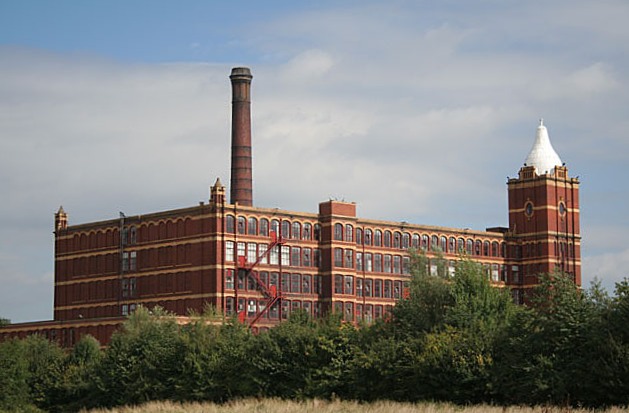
column 542, row 156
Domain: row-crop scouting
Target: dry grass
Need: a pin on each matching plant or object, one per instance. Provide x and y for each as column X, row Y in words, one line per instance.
column 318, row 406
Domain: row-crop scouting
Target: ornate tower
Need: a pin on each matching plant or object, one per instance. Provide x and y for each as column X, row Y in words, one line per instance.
column 241, row 169
column 544, row 234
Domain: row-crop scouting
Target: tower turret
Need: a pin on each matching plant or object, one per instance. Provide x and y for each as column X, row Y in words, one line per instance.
column 61, row 219
column 544, row 231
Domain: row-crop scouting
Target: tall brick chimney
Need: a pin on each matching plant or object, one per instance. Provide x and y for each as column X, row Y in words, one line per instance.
column 241, row 187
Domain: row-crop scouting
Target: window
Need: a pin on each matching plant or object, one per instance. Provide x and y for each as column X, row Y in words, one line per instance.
column 285, row 229
column 359, row 236
column 415, row 241
column 251, row 307
column 295, row 283
column 377, row 262
column 377, row 288
column 286, row 283
column 296, row 231
column 125, row 261
column 264, row 227
column 133, row 235
column 368, row 266
column 285, row 255
column 317, row 232
column 424, row 245
column 406, row 265
column 306, row 257
column 229, row 251
column 452, row 245
column 229, row 279
column 317, row 284
column 359, row 287
column 125, row 309
column 368, row 287
column 348, row 315
column 460, row 246
column 307, row 306
column 316, row 258
column 229, row 305
column 273, row 279
column 305, row 284
column 338, row 232
column 444, row 243
column 387, row 288
column 495, row 273
column 387, row 263
column 133, row 258
column 367, row 237
column 349, row 285
column 338, row 257
column 397, row 264
column 125, row 288
column 434, row 243
column 359, row 261
column 338, row 284
column 295, row 255
column 397, row 240
column 477, row 248
column 349, row 233
column 469, row 247
column 307, row 234
column 252, row 252
column 241, row 279
column 241, row 249
column 486, row 248
column 378, row 238
column 252, row 227
column 397, row 289
column 241, row 225
column 349, row 259
column 406, row 240
column 275, row 227
column 274, row 255
column 494, row 249
column 387, row 239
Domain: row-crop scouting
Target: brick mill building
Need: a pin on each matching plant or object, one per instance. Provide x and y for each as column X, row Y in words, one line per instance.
column 261, row 264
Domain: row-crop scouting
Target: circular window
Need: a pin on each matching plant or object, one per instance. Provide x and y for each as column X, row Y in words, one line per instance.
column 562, row 208
column 528, row 208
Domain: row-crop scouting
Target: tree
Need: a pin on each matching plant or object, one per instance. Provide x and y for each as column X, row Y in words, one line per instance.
column 143, row 361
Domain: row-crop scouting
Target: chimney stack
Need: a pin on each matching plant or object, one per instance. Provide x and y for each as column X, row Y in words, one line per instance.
column 241, row 190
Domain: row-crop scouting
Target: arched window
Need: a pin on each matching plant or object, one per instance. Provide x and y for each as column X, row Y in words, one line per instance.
column 307, row 234
column 241, row 225
column 286, row 229
column 424, row 245
column 477, row 248
column 434, row 242
column 378, row 238
column 397, row 239
column 406, row 240
column 444, row 244
column 317, row 232
column 416, row 241
column 387, row 239
column 264, row 227
column 230, row 224
column 469, row 247
column 452, row 245
column 252, row 228
column 359, row 236
column 460, row 246
column 338, row 232
column 275, row 227
column 494, row 249
column 349, row 233
column 486, row 248
column 296, row 232
column 367, row 237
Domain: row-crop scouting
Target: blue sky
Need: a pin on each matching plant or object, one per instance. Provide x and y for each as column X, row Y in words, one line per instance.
column 416, row 110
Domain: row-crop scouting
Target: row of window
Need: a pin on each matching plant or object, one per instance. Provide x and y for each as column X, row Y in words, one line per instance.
column 252, row 307
column 368, row 287
column 349, row 310
column 293, row 256
column 366, row 313
column 288, row 283
column 285, row 229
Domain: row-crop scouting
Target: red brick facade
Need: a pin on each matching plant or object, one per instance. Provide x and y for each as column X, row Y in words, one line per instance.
column 217, row 254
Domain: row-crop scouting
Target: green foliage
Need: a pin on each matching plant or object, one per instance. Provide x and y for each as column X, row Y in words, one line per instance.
column 14, row 376
column 4, row 321
column 143, row 360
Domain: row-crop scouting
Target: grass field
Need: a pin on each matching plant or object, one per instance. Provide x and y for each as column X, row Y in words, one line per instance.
column 318, row 406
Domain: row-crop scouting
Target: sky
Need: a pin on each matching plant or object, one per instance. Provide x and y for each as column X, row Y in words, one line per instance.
column 418, row 111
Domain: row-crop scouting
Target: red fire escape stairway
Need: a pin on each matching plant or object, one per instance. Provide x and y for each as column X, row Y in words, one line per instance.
column 270, row 293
